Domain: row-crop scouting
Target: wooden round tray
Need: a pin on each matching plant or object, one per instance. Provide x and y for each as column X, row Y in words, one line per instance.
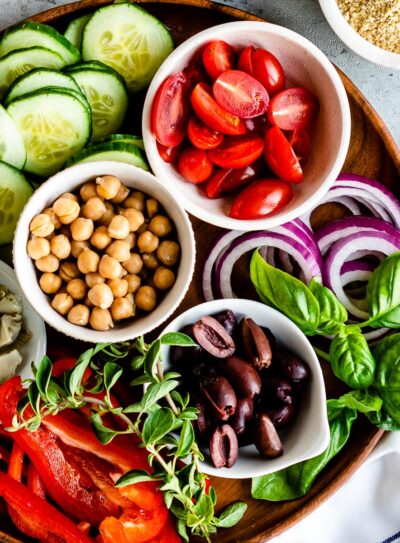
column 372, row 153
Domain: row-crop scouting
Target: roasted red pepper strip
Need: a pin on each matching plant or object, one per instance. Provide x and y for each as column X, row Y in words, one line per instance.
column 35, row 482
column 16, row 464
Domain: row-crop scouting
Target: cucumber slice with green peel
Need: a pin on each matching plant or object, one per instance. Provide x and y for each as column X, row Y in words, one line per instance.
column 130, row 40
column 108, row 98
column 38, row 79
column 75, row 29
column 15, row 191
column 54, row 124
column 30, row 34
column 117, row 151
column 21, row 61
column 124, row 138
column 12, row 147
column 92, row 64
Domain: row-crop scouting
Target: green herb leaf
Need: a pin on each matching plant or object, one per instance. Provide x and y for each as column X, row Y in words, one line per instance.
column 151, row 358
column 137, row 362
column 155, row 392
column 112, row 372
column 141, row 380
column 383, row 293
column 34, row 397
column 182, row 531
column 332, row 314
column 43, row 375
column 177, row 339
column 204, row 507
column 134, row 476
column 383, row 420
column 231, row 515
column 387, row 354
column 104, row 435
column 364, row 401
column 157, row 425
column 186, row 440
column 74, row 377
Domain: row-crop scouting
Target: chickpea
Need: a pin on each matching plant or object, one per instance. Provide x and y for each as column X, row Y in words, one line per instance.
column 60, row 246
column 151, row 207
column 168, row 252
column 108, row 215
column 147, row 242
column 150, row 261
column 100, row 319
column 88, row 190
column 119, row 250
column 135, row 218
column 100, row 238
column 88, row 261
column 77, row 247
column 41, row 226
column 53, row 217
column 76, row 288
column 121, row 309
column 146, row 298
column 110, row 268
column 135, row 201
column 82, row 229
column 88, row 303
column 49, row 263
column 101, row 295
column 160, row 226
column 68, row 271
column 142, row 228
column 163, row 278
column 69, row 195
column 134, row 264
column 38, row 248
column 94, row 209
column 108, row 186
column 131, row 240
column 79, row 315
column 67, row 210
column 122, row 193
column 62, row 303
column 118, row 227
column 50, row 282
column 65, row 230
column 133, row 282
column 94, row 279
column 119, row 287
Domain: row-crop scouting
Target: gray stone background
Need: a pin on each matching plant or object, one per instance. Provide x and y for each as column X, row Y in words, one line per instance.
column 381, row 86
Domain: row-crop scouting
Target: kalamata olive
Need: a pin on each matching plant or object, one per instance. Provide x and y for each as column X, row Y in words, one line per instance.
column 203, row 368
column 255, row 344
column 266, row 437
column 203, row 423
column 219, row 396
column 185, row 357
column 213, row 337
column 224, row 447
column 282, row 416
column 292, row 367
column 270, row 336
column 228, row 320
column 275, row 390
column 243, row 377
column 243, row 416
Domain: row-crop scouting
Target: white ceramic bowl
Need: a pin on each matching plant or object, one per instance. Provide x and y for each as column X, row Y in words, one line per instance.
column 352, row 38
column 309, row 435
column 69, row 180
column 304, row 65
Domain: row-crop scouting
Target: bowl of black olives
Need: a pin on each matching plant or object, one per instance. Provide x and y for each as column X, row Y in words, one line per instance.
column 257, row 384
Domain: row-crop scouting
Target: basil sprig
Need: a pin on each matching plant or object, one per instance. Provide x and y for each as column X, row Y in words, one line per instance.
column 383, row 294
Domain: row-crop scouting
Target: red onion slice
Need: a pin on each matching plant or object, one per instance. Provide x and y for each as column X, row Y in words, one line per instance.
column 340, row 198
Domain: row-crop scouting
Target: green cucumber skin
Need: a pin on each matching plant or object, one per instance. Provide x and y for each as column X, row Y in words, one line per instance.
column 87, row 154
column 74, row 32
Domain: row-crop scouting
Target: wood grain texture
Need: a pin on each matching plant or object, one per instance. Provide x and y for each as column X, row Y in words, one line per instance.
column 372, row 153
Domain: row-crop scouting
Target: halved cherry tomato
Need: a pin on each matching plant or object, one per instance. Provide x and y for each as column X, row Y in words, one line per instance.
column 194, row 165
column 218, row 56
column 212, row 114
column 245, row 63
column 203, row 137
column 280, row 157
column 240, row 94
column 170, row 110
column 258, row 124
column 260, row 199
column 300, row 141
column 168, row 154
column 228, row 181
column 238, row 151
column 268, row 70
column 293, row 108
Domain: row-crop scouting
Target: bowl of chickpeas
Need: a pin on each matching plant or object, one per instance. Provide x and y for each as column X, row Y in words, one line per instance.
column 104, row 252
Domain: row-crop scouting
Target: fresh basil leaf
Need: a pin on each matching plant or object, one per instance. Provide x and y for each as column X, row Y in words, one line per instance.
column 364, row 401
column 383, row 420
column 43, row 375
column 285, row 293
column 112, row 372
column 387, row 354
column 104, row 435
column 186, row 440
column 134, row 476
column 157, row 425
column 151, row 358
column 177, row 339
column 351, row 360
column 383, row 293
column 231, row 515
column 156, row 391
column 332, row 314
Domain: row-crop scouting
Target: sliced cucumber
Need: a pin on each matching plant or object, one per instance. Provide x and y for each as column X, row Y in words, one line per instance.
column 124, row 138
column 94, row 64
column 54, row 124
column 117, row 151
column 75, row 28
column 130, row 40
column 15, row 191
column 107, row 96
column 12, row 147
column 30, row 34
column 38, row 79
column 21, row 61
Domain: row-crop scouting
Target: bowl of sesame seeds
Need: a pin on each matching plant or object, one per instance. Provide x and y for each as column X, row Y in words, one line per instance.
column 371, row 28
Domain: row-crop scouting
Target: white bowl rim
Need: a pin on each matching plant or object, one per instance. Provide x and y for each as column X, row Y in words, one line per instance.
column 354, row 40
column 248, row 26
column 318, row 381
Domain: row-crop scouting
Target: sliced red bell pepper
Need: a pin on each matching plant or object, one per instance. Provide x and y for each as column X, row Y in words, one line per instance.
column 4, row 454
column 35, row 482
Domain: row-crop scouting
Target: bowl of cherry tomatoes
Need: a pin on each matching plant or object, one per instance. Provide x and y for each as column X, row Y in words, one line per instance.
column 249, row 123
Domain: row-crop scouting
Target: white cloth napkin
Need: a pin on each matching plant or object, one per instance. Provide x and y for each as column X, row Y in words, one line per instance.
column 366, row 509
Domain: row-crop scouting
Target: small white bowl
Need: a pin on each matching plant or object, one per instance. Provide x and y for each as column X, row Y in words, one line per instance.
column 309, row 435
column 69, row 180
column 304, row 65
column 352, row 38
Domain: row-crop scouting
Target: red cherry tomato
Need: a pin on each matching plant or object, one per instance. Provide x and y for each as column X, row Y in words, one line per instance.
column 280, row 156
column 237, row 152
column 228, row 181
column 203, row 137
column 293, row 108
column 218, row 56
column 240, row 94
column 300, row 141
column 170, row 110
column 260, row 199
column 212, row 114
column 245, row 63
column 258, row 124
column 194, row 165
column 268, row 70
column 136, row 525
column 168, row 154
